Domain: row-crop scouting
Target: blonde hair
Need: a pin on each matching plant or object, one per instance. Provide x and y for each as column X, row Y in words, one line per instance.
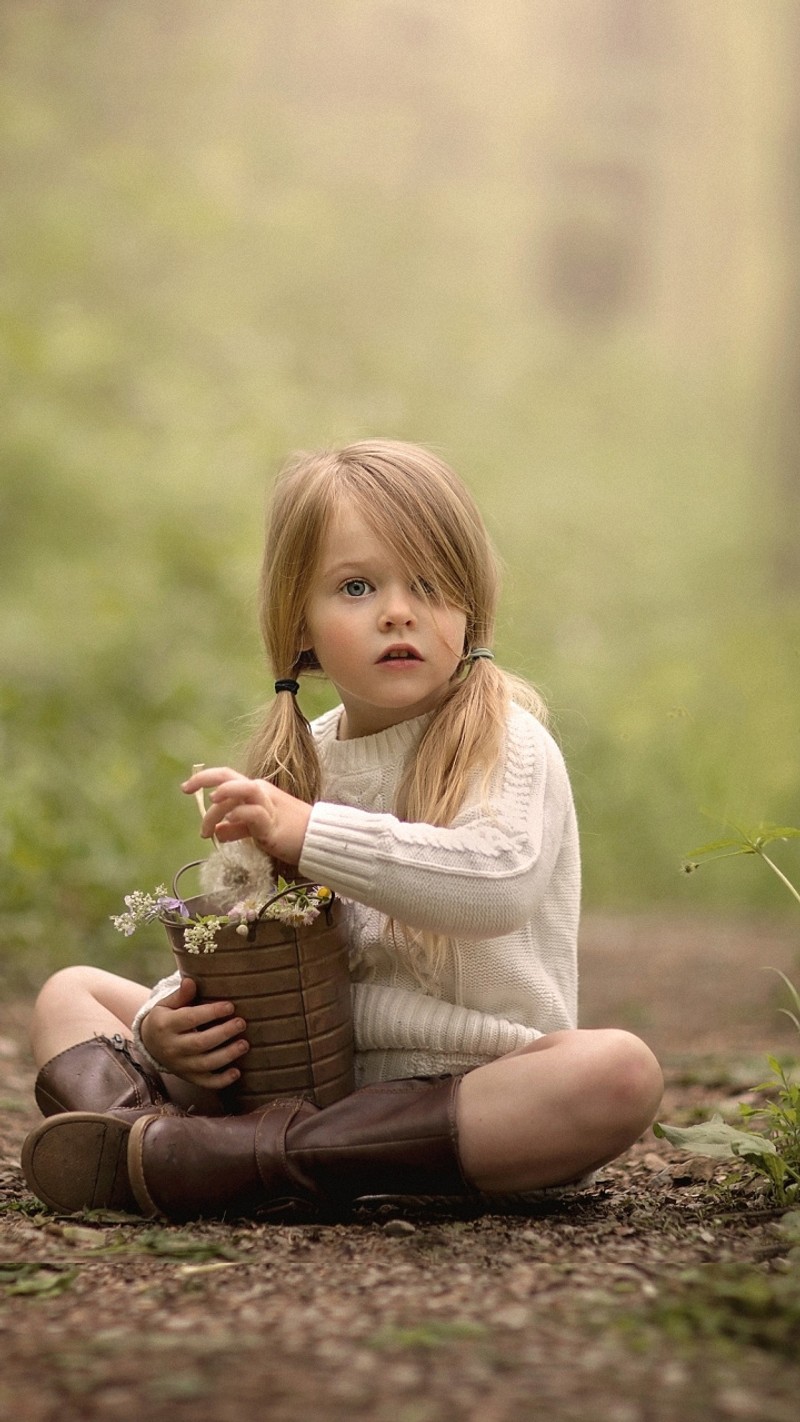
column 420, row 508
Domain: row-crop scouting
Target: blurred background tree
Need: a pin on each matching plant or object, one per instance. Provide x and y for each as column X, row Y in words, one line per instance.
column 555, row 240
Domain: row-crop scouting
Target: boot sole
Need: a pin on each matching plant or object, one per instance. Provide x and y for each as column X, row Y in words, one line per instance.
column 78, row 1161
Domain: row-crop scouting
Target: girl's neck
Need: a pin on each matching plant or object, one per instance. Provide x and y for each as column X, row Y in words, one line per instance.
column 354, row 726
column 361, row 718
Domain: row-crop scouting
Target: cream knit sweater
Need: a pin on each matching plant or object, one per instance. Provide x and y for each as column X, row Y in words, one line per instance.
column 502, row 883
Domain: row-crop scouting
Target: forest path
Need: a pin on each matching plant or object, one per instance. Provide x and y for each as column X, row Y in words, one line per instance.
column 656, row 1296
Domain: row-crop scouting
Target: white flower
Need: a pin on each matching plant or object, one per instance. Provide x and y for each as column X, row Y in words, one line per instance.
column 247, row 910
column 124, row 923
column 201, row 937
column 143, row 908
column 237, row 871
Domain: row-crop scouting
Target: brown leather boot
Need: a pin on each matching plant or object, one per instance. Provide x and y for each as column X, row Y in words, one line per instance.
column 395, row 1138
column 78, row 1160
column 103, row 1074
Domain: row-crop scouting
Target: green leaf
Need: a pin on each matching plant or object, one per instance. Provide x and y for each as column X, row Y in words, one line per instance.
column 36, row 1282
column 768, row 833
column 716, row 1139
column 173, row 1244
column 747, row 842
column 736, row 846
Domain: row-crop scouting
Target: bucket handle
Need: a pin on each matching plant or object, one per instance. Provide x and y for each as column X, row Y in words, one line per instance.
column 290, row 889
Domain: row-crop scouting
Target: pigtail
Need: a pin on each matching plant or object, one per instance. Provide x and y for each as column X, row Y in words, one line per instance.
column 464, row 736
column 463, row 739
column 282, row 750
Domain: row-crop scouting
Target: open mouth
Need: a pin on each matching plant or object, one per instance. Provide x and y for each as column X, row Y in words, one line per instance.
column 401, row 654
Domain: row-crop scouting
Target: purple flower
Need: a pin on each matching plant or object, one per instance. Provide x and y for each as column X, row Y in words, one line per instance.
column 165, row 904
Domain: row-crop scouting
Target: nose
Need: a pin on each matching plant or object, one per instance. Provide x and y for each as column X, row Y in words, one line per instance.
column 397, row 609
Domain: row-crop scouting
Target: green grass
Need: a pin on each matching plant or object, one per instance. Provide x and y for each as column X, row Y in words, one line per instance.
column 727, row 1307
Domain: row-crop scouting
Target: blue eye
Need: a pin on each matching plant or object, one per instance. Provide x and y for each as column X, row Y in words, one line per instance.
column 356, row 587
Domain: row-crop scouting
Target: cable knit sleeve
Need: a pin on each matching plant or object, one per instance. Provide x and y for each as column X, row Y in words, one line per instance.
column 483, row 876
column 390, row 1019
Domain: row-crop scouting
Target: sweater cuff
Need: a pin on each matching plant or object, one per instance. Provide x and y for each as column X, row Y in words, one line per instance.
column 339, row 848
column 388, row 1018
column 163, row 989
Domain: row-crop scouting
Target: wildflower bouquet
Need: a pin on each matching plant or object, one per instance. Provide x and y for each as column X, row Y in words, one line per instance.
column 295, row 904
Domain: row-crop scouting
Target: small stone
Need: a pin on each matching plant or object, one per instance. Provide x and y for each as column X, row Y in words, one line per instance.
column 398, row 1228
column 652, row 1161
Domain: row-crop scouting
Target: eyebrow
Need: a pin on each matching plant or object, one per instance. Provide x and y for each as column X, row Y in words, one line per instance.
column 335, row 570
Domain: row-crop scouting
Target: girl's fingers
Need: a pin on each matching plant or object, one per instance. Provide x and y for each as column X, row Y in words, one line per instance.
column 227, row 832
column 204, row 779
column 216, row 823
column 185, row 1020
column 239, row 807
column 215, row 816
column 213, row 1081
column 212, row 1062
column 233, row 801
column 212, row 1038
column 225, row 784
column 242, row 821
column 210, row 1012
column 235, row 793
column 181, row 997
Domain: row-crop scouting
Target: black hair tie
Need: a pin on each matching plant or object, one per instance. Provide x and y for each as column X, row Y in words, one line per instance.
column 286, row 684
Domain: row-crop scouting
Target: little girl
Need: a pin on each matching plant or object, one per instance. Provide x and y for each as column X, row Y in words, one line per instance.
column 433, row 800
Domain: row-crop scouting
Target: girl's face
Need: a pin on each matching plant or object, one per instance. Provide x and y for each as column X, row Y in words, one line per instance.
column 390, row 651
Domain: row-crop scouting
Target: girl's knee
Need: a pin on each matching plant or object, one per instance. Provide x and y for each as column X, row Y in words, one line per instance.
column 609, row 1078
column 65, row 985
column 628, row 1079
column 79, row 1003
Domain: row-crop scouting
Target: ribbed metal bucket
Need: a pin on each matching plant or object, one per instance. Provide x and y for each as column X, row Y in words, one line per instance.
column 292, row 987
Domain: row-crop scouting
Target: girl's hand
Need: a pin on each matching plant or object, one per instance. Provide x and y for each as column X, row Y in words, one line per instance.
column 242, row 808
column 171, row 1033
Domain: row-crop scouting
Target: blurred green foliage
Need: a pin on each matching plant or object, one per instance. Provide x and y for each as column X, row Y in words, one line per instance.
column 205, row 267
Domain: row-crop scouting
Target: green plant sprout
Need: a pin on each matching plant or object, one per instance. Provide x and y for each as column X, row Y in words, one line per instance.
column 773, row 1153
column 744, row 843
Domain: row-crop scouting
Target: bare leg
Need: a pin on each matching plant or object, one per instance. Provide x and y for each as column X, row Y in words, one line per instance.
column 553, row 1111
column 79, row 1003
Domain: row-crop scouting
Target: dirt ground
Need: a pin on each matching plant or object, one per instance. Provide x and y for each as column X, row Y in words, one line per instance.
column 661, row 1294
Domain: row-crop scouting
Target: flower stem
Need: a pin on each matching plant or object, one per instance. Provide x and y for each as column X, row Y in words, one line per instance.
column 200, row 798
column 790, row 886
column 199, row 795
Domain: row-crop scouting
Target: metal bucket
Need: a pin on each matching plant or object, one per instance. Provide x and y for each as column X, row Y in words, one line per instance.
column 291, row 984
